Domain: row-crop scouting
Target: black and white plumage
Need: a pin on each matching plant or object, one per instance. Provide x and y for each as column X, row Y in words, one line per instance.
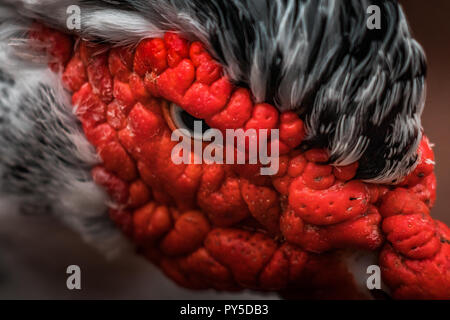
column 360, row 91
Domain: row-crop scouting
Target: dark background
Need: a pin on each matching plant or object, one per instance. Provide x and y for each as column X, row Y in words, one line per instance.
column 430, row 24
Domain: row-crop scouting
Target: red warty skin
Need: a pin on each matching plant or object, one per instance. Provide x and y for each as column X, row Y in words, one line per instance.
column 226, row 226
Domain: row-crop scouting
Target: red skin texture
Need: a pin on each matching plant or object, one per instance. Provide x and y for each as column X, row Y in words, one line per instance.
column 57, row 45
column 74, row 75
column 226, row 226
column 426, row 278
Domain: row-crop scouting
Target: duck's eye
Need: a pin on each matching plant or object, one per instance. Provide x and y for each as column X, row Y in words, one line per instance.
column 177, row 118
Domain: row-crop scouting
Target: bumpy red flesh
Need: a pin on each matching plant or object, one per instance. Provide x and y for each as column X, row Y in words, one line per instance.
column 225, row 226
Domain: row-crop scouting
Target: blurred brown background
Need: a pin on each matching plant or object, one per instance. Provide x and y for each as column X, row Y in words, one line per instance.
column 431, row 27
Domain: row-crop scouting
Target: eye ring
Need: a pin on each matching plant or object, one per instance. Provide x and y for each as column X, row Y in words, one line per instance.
column 177, row 118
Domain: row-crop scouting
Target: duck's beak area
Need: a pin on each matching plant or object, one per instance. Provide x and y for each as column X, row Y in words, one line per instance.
column 226, row 226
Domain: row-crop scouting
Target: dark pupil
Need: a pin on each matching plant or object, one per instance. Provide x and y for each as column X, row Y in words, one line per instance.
column 188, row 121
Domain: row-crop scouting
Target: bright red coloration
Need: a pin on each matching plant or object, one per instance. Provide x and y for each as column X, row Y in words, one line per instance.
column 55, row 44
column 225, row 226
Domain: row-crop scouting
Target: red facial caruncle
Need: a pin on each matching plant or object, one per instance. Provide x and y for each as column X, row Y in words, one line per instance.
column 226, row 226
